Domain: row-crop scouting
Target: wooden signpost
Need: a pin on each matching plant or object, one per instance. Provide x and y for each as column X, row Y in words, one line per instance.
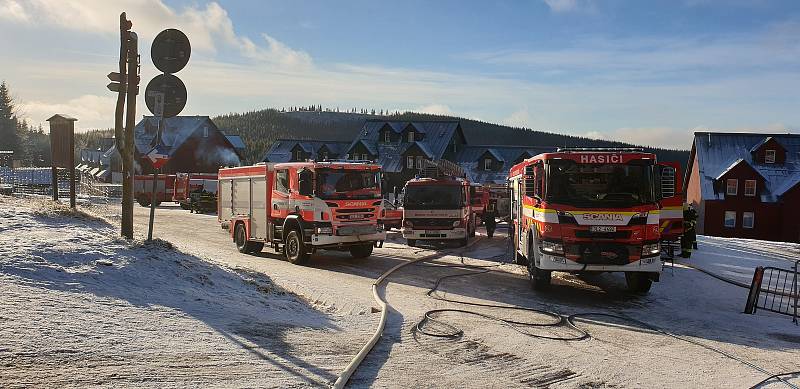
column 62, row 147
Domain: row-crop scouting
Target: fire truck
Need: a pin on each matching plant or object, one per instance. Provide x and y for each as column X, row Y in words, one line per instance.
column 479, row 200
column 671, row 217
column 588, row 210
column 437, row 206
column 298, row 208
column 143, row 187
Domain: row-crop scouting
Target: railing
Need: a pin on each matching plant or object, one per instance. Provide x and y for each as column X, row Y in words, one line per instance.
column 776, row 290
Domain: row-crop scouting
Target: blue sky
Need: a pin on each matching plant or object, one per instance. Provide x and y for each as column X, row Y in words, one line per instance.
column 643, row 71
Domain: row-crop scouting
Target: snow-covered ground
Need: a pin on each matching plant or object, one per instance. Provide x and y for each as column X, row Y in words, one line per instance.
column 79, row 307
column 736, row 259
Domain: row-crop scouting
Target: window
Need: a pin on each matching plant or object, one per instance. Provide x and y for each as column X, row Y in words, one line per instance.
column 750, row 188
column 410, row 162
column 747, row 219
column 387, row 137
column 411, row 136
column 298, row 155
column 419, row 162
column 324, row 155
column 769, row 156
column 730, row 219
column 487, row 164
column 364, row 157
column 733, row 187
column 205, row 132
column 282, row 181
column 347, row 156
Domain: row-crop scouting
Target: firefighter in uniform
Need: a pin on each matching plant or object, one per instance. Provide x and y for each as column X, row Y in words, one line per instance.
column 689, row 238
column 489, row 218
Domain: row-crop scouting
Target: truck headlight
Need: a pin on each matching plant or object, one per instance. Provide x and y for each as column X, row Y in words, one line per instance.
column 324, row 230
column 408, row 223
column 648, row 250
column 457, row 223
column 552, row 247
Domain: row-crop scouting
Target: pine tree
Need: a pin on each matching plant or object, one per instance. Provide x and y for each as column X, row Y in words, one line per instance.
column 9, row 140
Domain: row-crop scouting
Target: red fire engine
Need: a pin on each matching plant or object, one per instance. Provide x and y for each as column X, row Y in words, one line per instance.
column 143, row 187
column 301, row 207
column 186, row 183
column 588, row 210
column 479, row 200
column 438, row 206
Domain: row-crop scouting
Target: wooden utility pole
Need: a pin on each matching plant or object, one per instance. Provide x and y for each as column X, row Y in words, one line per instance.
column 127, row 86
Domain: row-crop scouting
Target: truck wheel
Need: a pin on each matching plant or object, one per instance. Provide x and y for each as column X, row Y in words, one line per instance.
column 294, row 249
column 540, row 279
column 638, row 282
column 411, row 242
column 143, row 201
column 240, row 238
column 362, row 251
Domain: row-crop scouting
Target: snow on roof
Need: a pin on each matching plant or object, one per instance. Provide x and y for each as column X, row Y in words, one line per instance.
column 236, row 141
column 281, row 149
column 717, row 153
column 468, row 157
column 437, row 135
column 176, row 131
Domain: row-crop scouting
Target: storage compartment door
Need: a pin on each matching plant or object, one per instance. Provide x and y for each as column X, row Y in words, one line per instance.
column 258, row 217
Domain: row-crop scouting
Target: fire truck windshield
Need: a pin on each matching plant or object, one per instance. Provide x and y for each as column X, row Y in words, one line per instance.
column 347, row 184
column 433, row 197
column 600, row 185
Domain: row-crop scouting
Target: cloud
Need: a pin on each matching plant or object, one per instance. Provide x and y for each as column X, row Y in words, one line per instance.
column 671, row 59
column 435, row 109
column 518, row 118
column 569, row 5
column 208, row 27
column 12, row 10
column 86, row 108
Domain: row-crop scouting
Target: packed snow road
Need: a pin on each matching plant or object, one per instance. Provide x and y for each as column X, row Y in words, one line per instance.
column 146, row 326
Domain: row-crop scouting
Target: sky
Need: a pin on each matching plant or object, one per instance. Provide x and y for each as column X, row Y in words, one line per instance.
column 647, row 72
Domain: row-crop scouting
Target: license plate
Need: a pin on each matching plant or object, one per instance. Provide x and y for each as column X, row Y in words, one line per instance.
column 602, row 229
column 356, row 217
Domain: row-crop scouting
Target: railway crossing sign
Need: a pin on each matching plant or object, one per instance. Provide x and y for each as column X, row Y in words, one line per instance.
column 165, row 95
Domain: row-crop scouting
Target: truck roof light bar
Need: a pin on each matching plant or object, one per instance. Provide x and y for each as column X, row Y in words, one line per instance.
column 601, row 149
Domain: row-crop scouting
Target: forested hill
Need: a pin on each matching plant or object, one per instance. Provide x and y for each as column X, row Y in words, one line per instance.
column 259, row 129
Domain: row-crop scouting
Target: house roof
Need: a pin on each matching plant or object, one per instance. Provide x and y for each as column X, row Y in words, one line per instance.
column 468, row 159
column 176, row 131
column 236, row 141
column 281, row 149
column 716, row 153
column 763, row 142
column 733, row 165
column 437, row 135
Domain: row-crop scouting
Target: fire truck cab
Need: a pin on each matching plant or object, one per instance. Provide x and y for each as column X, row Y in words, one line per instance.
column 438, row 206
column 301, row 207
column 588, row 210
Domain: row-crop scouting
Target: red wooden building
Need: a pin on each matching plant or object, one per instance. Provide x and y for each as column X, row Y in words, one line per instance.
column 745, row 185
column 194, row 144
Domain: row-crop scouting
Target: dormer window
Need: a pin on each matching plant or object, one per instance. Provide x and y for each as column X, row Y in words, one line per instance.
column 387, row 137
column 769, row 156
column 732, row 187
column 487, row 164
column 298, row 155
column 411, row 136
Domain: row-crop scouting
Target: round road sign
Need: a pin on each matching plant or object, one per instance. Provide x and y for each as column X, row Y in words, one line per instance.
column 168, row 89
column 170, row 50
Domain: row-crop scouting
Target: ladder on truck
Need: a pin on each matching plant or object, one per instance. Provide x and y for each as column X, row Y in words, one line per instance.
column 440, row 168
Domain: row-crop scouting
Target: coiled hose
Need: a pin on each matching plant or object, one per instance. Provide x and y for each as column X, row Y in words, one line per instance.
column 447, row 330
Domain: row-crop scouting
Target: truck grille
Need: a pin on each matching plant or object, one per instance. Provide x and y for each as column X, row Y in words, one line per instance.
column 433, row 222
column 356, row 230
column 600, row 253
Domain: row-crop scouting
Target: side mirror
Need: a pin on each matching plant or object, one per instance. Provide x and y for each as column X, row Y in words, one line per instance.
column 306, row 181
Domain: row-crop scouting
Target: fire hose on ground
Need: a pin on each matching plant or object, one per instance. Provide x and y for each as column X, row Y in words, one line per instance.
column 345, row 375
